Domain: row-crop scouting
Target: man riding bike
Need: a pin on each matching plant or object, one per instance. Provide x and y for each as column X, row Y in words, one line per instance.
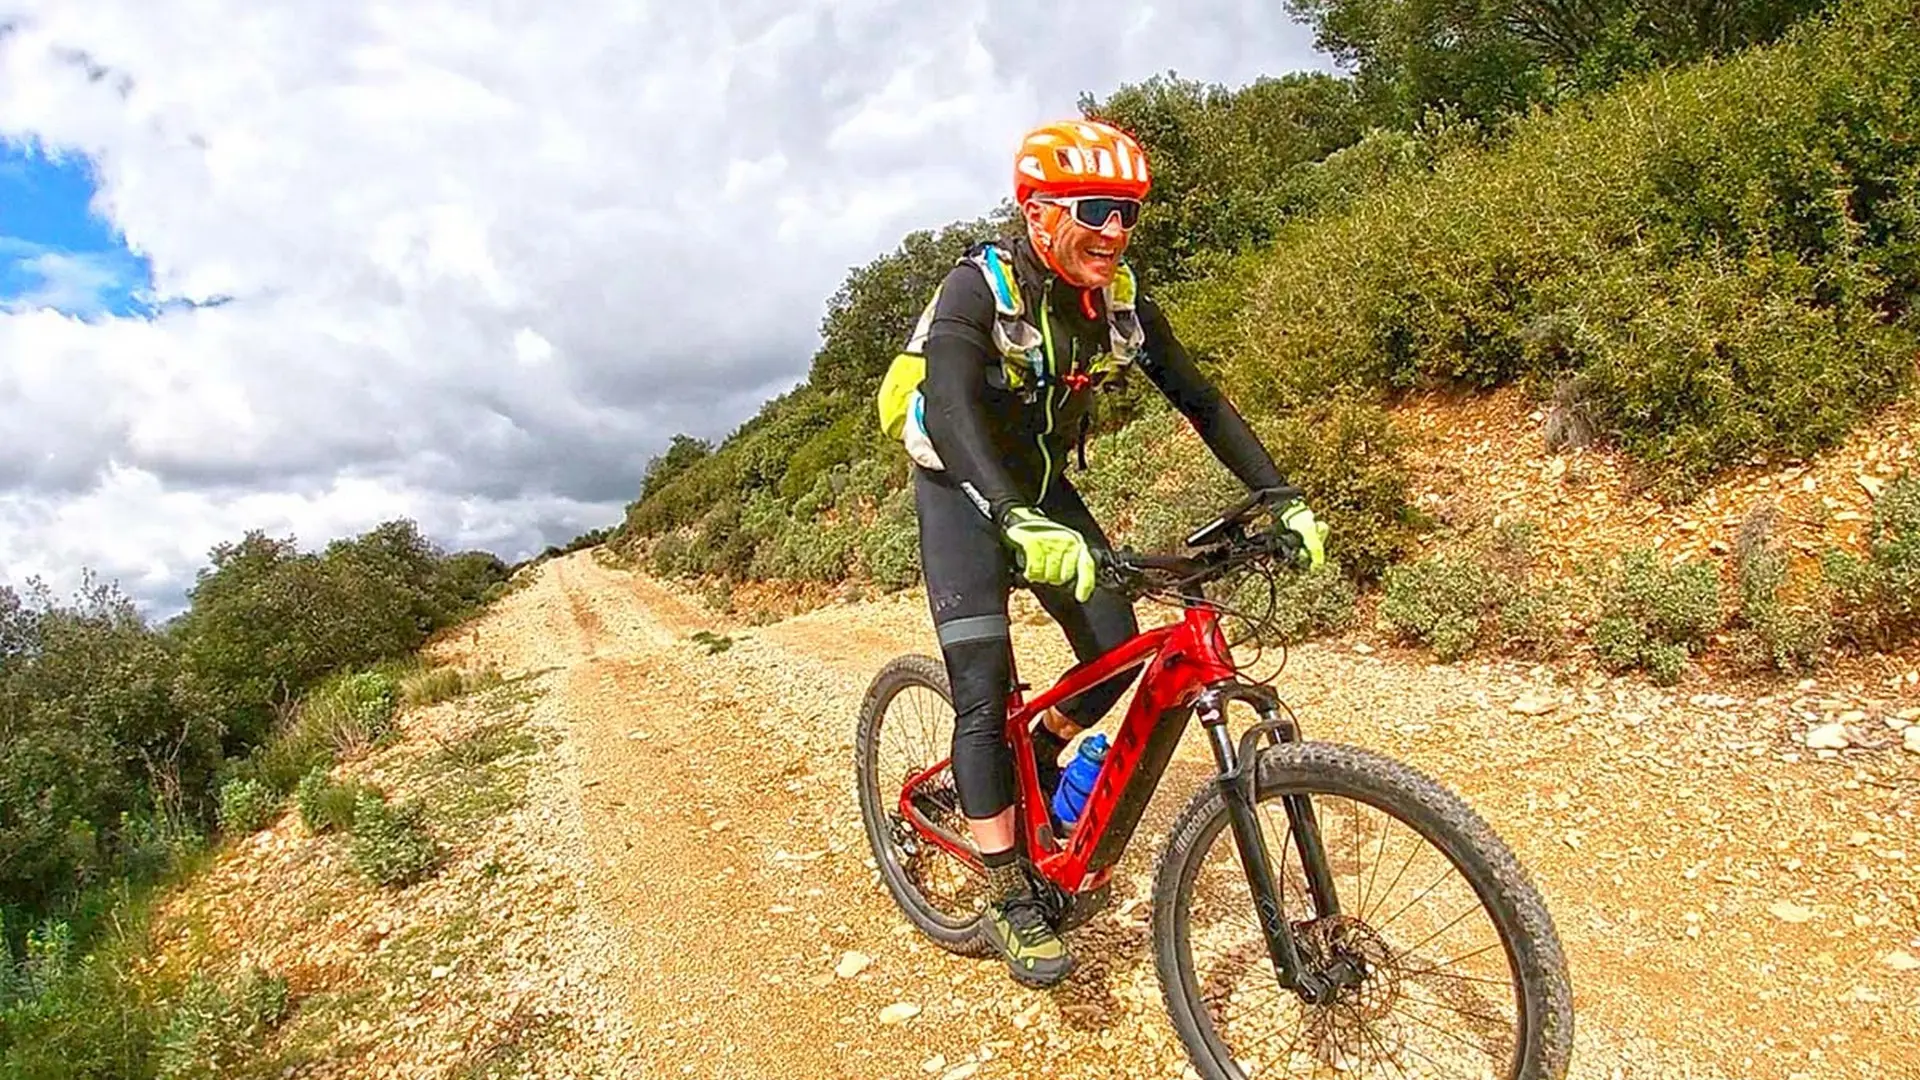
column 991, row 391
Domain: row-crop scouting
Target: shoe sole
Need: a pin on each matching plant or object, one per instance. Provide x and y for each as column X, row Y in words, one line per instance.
column 1037, row 982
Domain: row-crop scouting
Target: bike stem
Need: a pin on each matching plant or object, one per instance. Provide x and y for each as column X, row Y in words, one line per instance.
column 1237, row 785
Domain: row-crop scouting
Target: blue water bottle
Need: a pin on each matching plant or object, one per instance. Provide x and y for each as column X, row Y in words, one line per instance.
column 1076, row 781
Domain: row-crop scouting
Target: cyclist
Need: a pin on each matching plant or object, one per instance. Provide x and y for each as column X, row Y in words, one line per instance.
column 996, row 379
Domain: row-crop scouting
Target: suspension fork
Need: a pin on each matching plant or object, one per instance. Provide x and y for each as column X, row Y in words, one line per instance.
column 1236, row 780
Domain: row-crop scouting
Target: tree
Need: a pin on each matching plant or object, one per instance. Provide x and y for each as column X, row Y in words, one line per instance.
column 869, row 318
column 1220, row 159
column 1485, row 59
column 682, row 453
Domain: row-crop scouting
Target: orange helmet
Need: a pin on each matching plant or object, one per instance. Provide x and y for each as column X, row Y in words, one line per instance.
column 1079, row 157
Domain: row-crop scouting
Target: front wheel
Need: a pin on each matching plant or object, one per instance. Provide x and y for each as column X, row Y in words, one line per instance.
column 1462, row 969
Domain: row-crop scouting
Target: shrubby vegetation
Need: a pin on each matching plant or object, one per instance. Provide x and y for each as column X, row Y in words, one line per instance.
column 123, row 746
column 1485, row 596
column 1721, row 258
column 1707, row 265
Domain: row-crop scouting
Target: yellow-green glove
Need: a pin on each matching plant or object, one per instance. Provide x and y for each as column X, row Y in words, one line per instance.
column 1313, row 534
column 1054, row 553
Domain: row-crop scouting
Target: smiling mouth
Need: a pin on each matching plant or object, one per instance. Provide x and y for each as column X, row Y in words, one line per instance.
column 1100, row 253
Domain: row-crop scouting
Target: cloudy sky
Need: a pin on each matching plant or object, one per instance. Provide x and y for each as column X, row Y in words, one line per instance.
column 309, row 265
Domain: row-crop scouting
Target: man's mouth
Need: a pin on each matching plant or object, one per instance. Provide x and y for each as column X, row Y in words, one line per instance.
column 1100, row 253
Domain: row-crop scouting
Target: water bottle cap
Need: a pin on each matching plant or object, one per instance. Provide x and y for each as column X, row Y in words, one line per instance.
column 1094, row 748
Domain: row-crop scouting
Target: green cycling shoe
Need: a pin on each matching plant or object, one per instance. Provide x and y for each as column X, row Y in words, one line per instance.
column 1018, row 931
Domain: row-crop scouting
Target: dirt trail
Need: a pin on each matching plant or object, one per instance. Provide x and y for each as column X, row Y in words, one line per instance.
column 1728, row 898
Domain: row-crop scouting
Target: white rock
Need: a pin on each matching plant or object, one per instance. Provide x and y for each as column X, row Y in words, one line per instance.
column 853, row 963
column 1910, row 739
column 1828, row 737
column 962, row 1071
column 934, row 1064
column 1788, row 911
column 1532, row 705
column 1901, row 960
column 899, row 1012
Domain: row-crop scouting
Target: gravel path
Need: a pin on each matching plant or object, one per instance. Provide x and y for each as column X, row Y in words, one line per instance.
column 1733, row 903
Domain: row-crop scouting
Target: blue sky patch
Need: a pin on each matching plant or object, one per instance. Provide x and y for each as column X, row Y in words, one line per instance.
column 54, row 252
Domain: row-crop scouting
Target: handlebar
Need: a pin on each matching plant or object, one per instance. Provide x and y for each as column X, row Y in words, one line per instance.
column 1132, row 572
column 1224, row 545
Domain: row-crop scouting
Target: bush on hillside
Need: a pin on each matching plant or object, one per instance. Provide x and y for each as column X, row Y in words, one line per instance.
column 1725, row 250
column 1151, row 484
column 1655, row 615
column 1771, row 630
column 1291, row 606
column 1877, row 599
column 214, row 1030
column 1486, row 595
column 391, row 844
column 327, row 807
column 245, row 805
column 354, row 712
column 890, row 543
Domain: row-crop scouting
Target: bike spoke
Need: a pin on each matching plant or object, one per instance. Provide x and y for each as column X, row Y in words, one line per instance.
column 1457, row 920
column 1397, row 1023
column 1366, row 915
column 1444, row 875
column 1386, row 1055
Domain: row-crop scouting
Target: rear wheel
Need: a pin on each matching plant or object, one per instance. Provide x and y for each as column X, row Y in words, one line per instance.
column 1461, row 972
column 906, row 728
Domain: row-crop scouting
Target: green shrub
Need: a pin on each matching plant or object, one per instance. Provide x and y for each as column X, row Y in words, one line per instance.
column 214, row 1030
column 671, row 555
column 327, row 807
column 1347, row 457
column 808, row 550
column 391, row 844
column 430, row 686
column 834, row 447
column 1291, row 607
column 1150, row 487
column 872, row 481
column 1769, row 631
column 1877, row 599
column 1485, row 595
column 1725, row 251
column 1695, row 362
column 1654, row 615
column 354, row 712
column 245, row 805
column 890, row 544
column 87, row 1016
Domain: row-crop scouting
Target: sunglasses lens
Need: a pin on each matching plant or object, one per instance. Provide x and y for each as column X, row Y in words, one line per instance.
column 1094, row 212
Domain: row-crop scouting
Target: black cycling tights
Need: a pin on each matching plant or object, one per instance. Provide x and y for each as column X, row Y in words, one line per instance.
column 969, row 574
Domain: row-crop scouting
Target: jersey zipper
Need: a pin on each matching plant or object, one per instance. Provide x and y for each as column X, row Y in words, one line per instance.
column 1046, row 339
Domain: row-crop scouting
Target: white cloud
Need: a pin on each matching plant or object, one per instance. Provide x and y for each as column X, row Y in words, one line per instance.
column 485, row 261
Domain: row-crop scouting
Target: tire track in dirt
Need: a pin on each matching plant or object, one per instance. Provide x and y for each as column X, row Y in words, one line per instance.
column 1662, row 831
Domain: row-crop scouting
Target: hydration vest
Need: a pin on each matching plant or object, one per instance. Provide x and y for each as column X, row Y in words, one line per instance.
column 1027, row 361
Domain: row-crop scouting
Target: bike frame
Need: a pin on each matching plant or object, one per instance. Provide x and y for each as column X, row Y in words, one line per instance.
column 1188, row 669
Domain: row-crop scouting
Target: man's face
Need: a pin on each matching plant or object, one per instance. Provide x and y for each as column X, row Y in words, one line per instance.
column 1086, row 257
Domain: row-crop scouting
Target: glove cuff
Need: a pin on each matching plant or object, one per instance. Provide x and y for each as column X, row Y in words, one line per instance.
column 1017, row 514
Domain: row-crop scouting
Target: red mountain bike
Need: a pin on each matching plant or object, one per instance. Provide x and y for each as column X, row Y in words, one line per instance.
column 1336, row 936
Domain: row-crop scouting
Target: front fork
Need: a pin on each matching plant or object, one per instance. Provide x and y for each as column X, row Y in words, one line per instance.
column 1237, row 784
